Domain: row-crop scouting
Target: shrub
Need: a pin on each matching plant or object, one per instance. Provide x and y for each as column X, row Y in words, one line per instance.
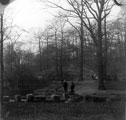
column 21, row 77
column 54, row 76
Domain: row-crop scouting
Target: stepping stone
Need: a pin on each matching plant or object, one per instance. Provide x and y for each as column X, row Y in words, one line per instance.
column 17, row 98
column 6, row 98
column 39, row 98
column 29, row 98
column 55, row 97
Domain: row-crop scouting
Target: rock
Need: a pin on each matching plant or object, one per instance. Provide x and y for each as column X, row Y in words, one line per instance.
column 29, row 97
column 66, row 95
column 78, row 98
column 75, row 98
column 108, row 100
column 70, row 100
column 17, row 98
column 39, row 98
column 55, row 97
column 98, row 98
column 6, row 98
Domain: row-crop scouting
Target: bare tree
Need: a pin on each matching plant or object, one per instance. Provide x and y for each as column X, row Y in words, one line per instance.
column 86, row 12
column 2, row 69
column 39, row 38
column 61, row 22
column 5, row 33
column 54, row 28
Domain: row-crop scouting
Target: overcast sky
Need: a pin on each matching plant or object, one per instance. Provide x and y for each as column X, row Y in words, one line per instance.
column 29, row 13
column 33, row 14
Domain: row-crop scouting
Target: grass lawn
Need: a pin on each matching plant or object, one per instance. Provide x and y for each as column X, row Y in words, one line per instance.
column 64, row 111
column 116, row 85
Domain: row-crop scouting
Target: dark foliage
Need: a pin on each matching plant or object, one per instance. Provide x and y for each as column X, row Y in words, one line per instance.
column 62, row 111
column 22, row 80
column 4, row 2
column 54, row 76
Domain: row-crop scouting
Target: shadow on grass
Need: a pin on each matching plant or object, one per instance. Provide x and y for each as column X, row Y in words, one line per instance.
column 62, row 111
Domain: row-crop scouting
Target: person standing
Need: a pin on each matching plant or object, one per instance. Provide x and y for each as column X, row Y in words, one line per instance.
column 72, row 86
column 65, row 86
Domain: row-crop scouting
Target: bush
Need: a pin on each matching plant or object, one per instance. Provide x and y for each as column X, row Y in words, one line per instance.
column 66, row 95
column 22, row 79
column 39, row 98
column 53, row 76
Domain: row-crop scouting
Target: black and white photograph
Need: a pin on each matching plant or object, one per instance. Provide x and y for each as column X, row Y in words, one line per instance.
column 62, row 59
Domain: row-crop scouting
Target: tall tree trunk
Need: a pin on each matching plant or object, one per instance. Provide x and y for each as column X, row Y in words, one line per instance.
column 106, row 53
column 100, row 58
column 56, row 59
column 81, row 53
column 81, row 44
column 47, row 54
column 61, row 59
column 2, row 71
column 40, row 56
column 125, row 44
